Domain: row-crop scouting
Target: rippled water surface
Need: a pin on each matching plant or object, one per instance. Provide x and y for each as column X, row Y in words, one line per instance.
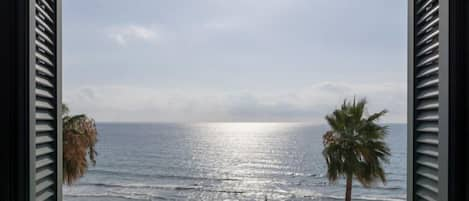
column 223, row 161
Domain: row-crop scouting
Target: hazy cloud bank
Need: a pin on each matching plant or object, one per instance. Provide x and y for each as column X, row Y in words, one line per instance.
column 122, row 35
column 309, row 104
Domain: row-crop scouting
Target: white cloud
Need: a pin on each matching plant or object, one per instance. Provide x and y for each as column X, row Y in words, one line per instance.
column 311, row 104
column 124, row 34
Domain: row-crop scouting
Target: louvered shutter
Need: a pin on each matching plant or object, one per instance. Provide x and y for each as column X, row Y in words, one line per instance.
column 428, row 126
column 45, row 101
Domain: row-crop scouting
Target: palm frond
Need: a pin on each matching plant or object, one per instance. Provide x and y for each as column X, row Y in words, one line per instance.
column 376, row 116
column 356, row 145
column 79, row 140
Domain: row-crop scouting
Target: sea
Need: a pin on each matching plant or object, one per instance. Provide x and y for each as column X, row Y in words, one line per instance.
column 224, row 161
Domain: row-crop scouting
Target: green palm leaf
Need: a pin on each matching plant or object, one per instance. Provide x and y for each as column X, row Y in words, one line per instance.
column 355, row 146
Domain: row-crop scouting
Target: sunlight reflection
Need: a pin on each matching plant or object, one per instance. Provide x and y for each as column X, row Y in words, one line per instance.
column 246, row 149
column 251, row 127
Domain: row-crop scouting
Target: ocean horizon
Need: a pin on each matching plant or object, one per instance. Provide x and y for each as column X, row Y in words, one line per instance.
column 224, row 161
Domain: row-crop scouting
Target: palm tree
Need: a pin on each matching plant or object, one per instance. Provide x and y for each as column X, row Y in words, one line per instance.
column 354, row 147
column 79, row 140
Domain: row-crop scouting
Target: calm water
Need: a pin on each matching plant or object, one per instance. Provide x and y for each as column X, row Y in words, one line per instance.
column 223, row 161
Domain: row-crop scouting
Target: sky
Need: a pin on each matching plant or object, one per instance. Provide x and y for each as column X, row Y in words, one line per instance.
column 232, row 60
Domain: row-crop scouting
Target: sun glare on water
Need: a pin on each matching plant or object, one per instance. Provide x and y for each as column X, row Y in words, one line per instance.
column 244, row 128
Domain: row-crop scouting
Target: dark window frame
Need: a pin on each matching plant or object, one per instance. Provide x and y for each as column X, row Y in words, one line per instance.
column 17, row 146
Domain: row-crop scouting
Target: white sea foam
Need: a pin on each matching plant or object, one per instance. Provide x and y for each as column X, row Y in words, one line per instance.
column 110, row 195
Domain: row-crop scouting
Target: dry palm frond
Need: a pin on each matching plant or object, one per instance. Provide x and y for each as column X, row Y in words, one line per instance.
column 79, row 140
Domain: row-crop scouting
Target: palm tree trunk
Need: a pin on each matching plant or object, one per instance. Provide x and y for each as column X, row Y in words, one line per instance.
column 348, row 188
